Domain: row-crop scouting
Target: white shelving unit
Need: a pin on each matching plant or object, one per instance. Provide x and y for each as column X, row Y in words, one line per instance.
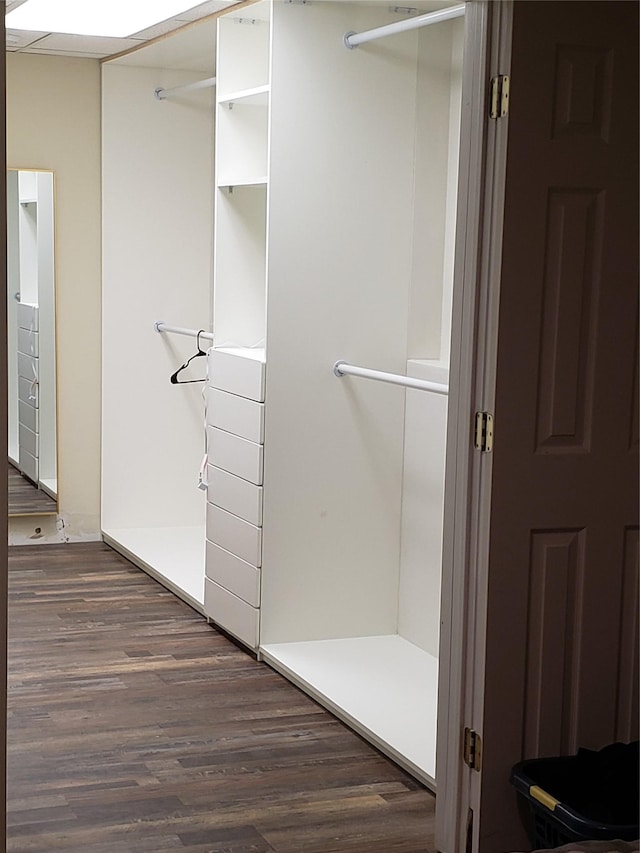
column 382, row 686
column 335, row 204
column 157, row 265
column 173, row 555
column 237, row 361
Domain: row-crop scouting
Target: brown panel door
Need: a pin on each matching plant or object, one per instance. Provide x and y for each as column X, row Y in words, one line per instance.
column 562, row 627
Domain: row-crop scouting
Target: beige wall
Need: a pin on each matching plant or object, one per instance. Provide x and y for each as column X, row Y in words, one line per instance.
column 53, row 122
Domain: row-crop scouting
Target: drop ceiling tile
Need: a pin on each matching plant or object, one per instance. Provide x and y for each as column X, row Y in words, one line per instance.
column 159, row 29
column 91, row 45
column 204, row 9
column 17, row 39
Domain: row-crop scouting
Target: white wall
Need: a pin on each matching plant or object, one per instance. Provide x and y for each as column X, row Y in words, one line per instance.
column 158, row 233
column 429, row 224
column 53, row 122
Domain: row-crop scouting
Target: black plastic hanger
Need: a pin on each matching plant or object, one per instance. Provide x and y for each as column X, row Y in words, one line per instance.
column 174, row 376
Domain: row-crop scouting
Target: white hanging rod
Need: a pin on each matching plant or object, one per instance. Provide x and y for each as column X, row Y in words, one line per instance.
column 343, row 368
column 159, row 326
column 161, row 94
column 352, row 39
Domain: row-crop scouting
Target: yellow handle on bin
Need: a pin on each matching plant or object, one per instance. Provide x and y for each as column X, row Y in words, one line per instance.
column 542, row 797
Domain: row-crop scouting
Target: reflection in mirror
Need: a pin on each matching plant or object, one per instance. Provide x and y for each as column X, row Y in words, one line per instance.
column 33, row 484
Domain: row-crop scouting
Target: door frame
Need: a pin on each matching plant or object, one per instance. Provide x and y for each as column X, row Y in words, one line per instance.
column 483, row 149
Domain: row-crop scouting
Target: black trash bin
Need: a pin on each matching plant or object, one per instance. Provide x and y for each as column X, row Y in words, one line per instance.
column 593, row 795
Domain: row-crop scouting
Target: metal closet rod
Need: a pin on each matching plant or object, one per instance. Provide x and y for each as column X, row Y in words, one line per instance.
column 161, row 94
column 343, row 368
column 160, row 326
column 352, row 39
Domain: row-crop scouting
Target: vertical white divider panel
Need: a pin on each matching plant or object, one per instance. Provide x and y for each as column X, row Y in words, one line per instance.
column 157, row 214
column 425, row 441
column 339, row 267
column 47, row 337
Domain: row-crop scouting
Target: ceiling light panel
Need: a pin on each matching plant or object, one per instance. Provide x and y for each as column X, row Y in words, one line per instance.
column 117, row 18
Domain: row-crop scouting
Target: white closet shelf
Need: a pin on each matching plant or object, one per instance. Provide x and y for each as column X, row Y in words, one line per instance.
column 243, row 181
column 384, row 686
column 255, row 353
column 257, row 96
column 174, row 556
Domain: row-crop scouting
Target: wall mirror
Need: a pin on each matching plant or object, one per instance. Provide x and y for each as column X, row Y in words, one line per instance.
column 31, row 342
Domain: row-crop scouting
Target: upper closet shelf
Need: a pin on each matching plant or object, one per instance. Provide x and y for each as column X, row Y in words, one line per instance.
column 257, row 96
column 242, row 181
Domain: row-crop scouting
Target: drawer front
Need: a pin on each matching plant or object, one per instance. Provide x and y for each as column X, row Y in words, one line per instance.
column 28, row 415
column 28, row 464
column 234, row 494
column 236, row 414
column 28, row 342
column 28, row 316
column 234, row 535
column 239, row 371
column 27, row 367
column 233, row 574
column 235, row 455
column 28, row 440
column 231, row 613
column 28, row 391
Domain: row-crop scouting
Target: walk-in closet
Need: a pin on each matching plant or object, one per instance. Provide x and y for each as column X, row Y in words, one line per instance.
column 316, row 226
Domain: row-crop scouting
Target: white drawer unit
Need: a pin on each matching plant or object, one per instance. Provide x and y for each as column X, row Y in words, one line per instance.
column 28, row 415
column 28, row 391
column 28, row 464
column 234, row 574
column 234, row 534
column 235, row 414
column 232, row 613
column 28, row 316
column 235, row 455
column 238, row 370
column 234, row 494
column 28, row 439
column 27, row 366
column 28, row 342
column 235, row 435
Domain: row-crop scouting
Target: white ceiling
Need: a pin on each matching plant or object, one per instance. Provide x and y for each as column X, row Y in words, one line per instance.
column 97, row 47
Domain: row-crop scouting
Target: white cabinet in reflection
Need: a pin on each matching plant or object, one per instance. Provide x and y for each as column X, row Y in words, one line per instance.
column 31, row 327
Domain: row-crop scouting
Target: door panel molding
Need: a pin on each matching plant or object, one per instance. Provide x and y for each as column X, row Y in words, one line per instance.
column 556, row 583
column 573, row 269
column 627, row 716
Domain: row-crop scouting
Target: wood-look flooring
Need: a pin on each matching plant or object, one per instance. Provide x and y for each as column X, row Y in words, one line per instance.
column 25, row 498
column 135, row 726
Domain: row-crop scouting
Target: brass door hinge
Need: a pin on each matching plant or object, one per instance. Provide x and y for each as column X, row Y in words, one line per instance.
column 483, row 435
column 472, row 749
column 499, row 96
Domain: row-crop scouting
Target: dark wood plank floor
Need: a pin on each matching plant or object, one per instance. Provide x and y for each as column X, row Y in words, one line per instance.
column 25, row 498
column 134, row 726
